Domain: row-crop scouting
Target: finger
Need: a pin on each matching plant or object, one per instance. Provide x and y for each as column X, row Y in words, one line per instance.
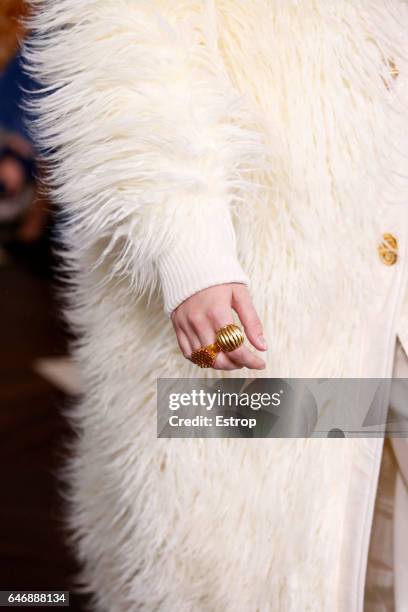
column 223, row 362
column 202, row 327
column 220, row 316
column 243, row 306
column 245, row 358
column 192, row 336
column 205, row 326
column 206, row 335
column 184, row 344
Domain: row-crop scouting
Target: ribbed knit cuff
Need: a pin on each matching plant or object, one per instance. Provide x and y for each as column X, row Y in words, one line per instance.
column 192, row 266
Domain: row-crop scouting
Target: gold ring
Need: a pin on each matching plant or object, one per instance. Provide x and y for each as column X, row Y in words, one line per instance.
column 227, row 339
column 205, row 356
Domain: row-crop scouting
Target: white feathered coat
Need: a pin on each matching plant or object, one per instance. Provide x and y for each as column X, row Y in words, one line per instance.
column 195, row 142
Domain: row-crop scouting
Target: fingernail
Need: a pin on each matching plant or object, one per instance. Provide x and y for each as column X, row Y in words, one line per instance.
column 262, row 341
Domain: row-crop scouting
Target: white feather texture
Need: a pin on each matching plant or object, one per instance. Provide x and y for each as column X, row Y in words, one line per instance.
column 163, row 120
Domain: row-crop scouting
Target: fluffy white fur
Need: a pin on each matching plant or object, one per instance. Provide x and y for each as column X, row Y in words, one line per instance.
column 163, row 119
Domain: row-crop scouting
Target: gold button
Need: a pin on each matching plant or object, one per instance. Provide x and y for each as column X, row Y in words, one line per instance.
column 394, row 72
column 387, row 249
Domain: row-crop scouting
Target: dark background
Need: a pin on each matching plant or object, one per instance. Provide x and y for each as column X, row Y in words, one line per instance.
column 33, row 435
column 34, row 432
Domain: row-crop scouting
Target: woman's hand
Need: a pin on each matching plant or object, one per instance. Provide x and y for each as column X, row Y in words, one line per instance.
column 197, row 319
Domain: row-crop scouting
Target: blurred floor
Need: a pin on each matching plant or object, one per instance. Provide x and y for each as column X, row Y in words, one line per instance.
column 32, row 435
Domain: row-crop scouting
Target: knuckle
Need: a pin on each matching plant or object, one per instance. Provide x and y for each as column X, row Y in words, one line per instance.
column 221, row 363
column 238, row 355
column 178, row 321
column 195, row 318
column 174, row 317
column 217, row 313
column 240, row 290
column 236, row 362
column 219, row 360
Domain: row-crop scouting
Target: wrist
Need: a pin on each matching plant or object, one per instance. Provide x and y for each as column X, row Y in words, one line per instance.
column 185, row 270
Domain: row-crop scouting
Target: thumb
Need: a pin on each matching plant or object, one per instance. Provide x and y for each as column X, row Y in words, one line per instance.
column 243, row 306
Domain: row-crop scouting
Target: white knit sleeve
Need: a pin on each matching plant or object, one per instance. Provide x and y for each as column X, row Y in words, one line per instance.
column 204, row 256
column 148, row 142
